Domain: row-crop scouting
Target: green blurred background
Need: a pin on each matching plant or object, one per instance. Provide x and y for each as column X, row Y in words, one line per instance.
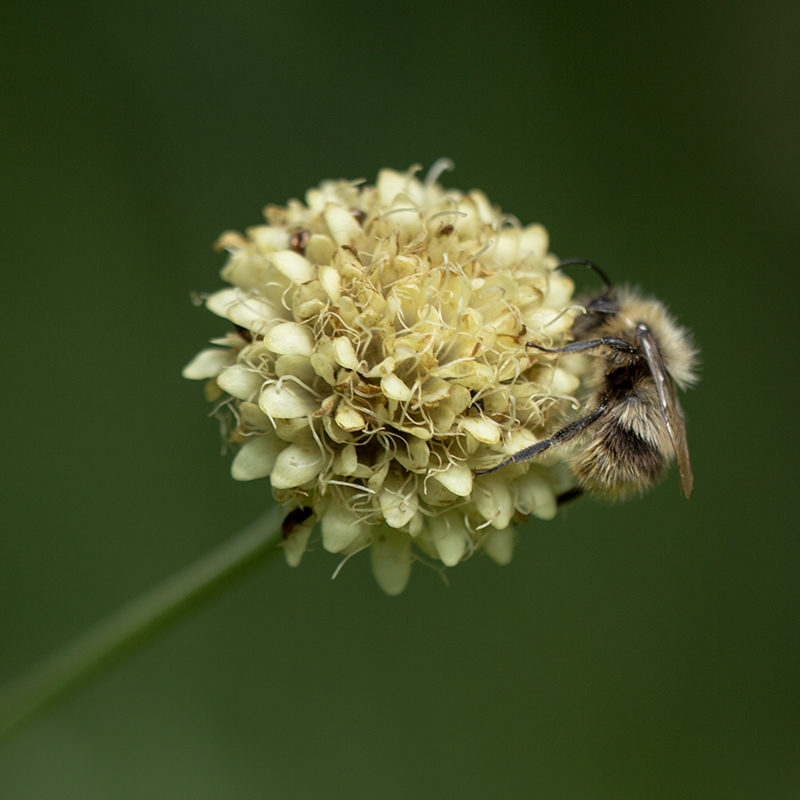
column 646, row 650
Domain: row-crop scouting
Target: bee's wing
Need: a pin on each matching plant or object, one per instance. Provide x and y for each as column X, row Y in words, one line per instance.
column 671, row 410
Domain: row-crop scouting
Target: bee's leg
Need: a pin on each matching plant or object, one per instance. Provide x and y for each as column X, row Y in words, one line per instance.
column 559, row 437
column 589, row 344
column 570, row 494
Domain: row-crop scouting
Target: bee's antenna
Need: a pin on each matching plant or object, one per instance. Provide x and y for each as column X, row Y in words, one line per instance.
column 585, row 263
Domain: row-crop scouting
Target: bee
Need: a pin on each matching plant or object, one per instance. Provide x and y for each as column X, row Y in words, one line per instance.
column 632, row 422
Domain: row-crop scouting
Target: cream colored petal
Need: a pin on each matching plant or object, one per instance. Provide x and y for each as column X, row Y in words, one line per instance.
column 344, row 353
column 253, row 417
column 382, row 369
column 506, row 247
column 378, row 476
column 547, row 322
column 290, row 430
column 346, row 262
column 323, row 366
column 416, row 456
column 389, row 184
column 295, row 545
column 219, row 302
column 363, row 472
column 208, row 363
column 394, row 388
column 415, row 430
column 499, row 545
column 492, row 499
column 319, row 249
column 245, row 311
column 268, row 238
column 363, row 541
column 460, row 398
column 348, row 418
column 434, row 390
column 508, row 325
column 241, row 382
column 403, row 219
column 297, row 366
column 254, row 353
column 230, row 241
column 245, row 272
column 346, row 461
column 398, row 501
column 348, row 310
column 342, row 225
column 534, row 241
column 512, row 367
column 443, row 417
column 327, row 406
column 340, row 528
column 457, row 478
column 535, row 496
column 391, row 559
column 290, row 338
column 486, row 213
column 469, row 373
column 468, row 224
column 229, row 340
column 450, row 540
column 559, row 290
column 558, row 380
column 297, row 464
column 293, row 266
column 484, row 430
column 336, row 433
column 309, row 302
column 287, row 400
column 331, row 281
column 256, row 458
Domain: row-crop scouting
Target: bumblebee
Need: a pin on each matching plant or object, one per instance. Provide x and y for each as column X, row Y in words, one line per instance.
column 631, row 424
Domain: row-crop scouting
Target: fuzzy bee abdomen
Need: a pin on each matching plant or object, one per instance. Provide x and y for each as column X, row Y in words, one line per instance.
column 617, row 462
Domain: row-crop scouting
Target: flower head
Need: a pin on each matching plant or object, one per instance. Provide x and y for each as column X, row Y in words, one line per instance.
column 377, row 359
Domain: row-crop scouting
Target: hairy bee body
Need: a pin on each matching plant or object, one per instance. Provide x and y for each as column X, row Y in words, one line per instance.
column 631, row 425
column 629, row 448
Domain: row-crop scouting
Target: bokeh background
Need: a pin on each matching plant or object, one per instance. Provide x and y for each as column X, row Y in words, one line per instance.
column 640, row 650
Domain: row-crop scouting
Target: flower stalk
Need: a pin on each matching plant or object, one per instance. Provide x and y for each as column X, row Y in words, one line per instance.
column 108, row 641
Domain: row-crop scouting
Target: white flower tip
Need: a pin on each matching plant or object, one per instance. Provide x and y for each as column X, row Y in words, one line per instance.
column 255, row 458
column 451, row 546
column 340, row 528
column 290, row 338
column 240, row 381
column 499, row 546
column 295, row 544
column 297, row 464
column 293, row 266
column 391, row 560
column 207, row 364
column 457, row 478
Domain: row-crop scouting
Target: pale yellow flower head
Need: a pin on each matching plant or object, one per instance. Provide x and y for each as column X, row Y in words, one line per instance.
column 377, row 359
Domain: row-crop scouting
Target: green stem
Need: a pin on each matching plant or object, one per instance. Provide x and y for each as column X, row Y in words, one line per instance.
column 135, row 623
